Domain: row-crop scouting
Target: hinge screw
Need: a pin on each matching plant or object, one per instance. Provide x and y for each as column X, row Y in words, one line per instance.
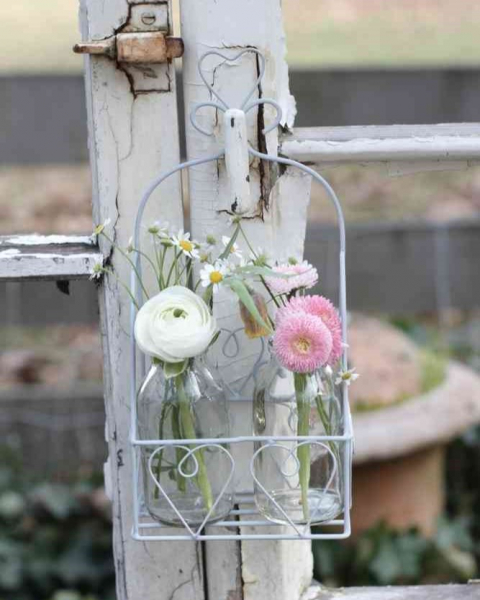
column 148, row 18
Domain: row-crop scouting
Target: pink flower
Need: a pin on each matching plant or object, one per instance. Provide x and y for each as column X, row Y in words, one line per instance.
column 321, row 307
column 303, row 275
column 302, row 342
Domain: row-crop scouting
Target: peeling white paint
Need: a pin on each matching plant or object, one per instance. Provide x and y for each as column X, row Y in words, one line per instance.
column 269, row 570
column 16, row 265
column 36, row 239
column 132, row 139
column 392, row 143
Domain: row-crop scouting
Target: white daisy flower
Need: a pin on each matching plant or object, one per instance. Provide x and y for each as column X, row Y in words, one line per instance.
column 347, row 376
column 161, row 229
column 185, row 244
column 97, row 271
column 234, row 250
column 99, row 228
column 214, row 274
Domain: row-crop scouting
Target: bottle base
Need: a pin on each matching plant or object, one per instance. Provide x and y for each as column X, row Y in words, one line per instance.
column 322, row 506
column 193, row 511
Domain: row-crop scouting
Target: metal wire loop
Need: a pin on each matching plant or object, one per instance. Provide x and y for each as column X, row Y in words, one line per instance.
column 191, row 454
column 232, row 59
column 273, row 103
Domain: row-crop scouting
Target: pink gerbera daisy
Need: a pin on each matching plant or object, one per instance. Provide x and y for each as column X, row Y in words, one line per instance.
column 302, row 342
column 301, row 276
column 318, row 306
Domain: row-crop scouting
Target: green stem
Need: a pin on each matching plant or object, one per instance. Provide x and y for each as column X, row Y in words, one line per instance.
column 179, row 452
column 303, row 429
column 269, row 291
column 163, row 416
column 172, row 266
column 162, row 251
column 130, row 261
column 148, row 259
column 189, row 432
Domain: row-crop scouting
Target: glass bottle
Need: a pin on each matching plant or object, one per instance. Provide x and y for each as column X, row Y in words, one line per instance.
column 297, row 480
column 188, row 406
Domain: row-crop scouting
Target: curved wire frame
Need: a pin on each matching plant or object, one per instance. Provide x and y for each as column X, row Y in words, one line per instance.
column 190, row 455
column 287, row 475
column 246, row 105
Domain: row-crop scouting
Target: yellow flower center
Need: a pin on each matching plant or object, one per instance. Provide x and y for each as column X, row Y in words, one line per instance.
column 302, row 345
column 216, row 277
column 186, row 245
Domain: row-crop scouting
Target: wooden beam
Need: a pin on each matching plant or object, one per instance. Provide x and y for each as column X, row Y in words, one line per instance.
column 385, row 143
column 133, row 132
column 31, row 257
column 420, row 592
column 266, row 569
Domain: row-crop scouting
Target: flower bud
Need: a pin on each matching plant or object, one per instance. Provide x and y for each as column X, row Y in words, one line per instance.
column 253, row 329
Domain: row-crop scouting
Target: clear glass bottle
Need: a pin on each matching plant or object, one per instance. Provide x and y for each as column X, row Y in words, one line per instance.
column 189, row 406
column 301, row 480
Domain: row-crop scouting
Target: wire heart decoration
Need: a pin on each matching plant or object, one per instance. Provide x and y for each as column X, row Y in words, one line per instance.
column 288, row 472
column 190, row 454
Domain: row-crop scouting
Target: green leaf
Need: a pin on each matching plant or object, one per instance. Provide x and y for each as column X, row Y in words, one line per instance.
column 263, row 271
column 171, row 370
column 237, row 286
column 214, row 338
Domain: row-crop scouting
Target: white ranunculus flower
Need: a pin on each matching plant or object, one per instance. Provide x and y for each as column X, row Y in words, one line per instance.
column 174, row 325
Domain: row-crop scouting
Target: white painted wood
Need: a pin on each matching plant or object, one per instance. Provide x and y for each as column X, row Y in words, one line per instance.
column 133, row 136
column 443, row 142
column 47, row 257
column 237, row 161
column 279, row 570
column 414, row 592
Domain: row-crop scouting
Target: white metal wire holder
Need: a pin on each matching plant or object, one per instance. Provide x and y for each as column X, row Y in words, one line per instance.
column 243, row 522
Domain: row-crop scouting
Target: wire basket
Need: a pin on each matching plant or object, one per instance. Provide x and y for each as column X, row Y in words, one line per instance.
column 244, row 522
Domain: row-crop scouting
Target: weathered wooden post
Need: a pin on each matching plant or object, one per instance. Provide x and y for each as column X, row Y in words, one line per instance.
column 275, row 221
column 133, row 136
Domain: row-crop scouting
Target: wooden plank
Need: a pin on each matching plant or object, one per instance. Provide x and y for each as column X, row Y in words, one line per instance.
column 421, row 592
column 133, row 137
column 279, row 570
column 388, row 143
column 32, row 257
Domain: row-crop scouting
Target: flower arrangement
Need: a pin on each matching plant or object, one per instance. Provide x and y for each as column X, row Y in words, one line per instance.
column 176, row 324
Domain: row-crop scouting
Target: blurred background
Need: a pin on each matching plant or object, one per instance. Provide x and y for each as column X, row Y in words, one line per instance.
column 414, row 242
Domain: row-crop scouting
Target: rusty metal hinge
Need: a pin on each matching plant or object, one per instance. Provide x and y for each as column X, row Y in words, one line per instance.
column 135, row 48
